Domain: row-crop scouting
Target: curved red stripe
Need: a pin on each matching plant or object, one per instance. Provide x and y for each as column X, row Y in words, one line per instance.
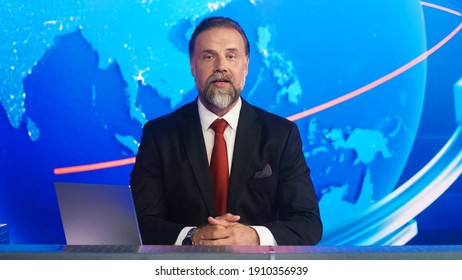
column 324, row 106
column 377, row 82
column 440, row 8
column 94, row 166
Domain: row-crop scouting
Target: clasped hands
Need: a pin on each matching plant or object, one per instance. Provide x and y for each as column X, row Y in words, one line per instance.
column 225, row 230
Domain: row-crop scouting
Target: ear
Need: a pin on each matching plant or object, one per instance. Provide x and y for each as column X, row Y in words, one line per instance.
column 247, row 61
column 191, row 65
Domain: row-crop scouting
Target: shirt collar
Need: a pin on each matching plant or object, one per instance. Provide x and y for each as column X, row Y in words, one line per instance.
column 207, row 117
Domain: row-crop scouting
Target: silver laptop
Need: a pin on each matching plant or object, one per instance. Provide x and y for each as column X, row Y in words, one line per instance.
column 95, row 214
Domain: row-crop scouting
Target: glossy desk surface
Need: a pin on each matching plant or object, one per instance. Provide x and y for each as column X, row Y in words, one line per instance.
column 124, row 252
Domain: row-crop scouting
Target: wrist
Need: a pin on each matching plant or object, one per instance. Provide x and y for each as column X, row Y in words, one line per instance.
column 188, row 240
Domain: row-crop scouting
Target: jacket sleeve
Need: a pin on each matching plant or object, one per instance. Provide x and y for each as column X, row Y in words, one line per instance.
column 298, row 218
column 147, row 187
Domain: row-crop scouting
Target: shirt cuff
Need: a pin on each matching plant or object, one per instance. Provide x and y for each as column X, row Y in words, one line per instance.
column 265, row 235
column 182, row 235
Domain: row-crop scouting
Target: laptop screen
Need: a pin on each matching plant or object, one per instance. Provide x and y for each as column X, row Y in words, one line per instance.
column 96, row 214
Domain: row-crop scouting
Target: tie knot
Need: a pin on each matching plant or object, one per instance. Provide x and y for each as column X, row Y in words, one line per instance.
column 219, row 125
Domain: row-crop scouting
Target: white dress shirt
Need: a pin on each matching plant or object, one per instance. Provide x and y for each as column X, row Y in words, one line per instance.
column 232, row 117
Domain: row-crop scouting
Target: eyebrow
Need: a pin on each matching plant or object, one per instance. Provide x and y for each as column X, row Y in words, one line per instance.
column 213, row 51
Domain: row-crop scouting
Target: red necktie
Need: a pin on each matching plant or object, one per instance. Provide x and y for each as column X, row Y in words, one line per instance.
column 219, row 171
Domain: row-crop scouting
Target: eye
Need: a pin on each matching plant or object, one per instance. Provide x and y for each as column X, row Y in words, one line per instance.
column 232, row 56
column 207, row 57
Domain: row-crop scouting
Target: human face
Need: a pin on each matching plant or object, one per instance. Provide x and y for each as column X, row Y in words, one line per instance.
column 219, row 65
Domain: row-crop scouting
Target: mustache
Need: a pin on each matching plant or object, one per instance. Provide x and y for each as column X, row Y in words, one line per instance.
column 219, row 77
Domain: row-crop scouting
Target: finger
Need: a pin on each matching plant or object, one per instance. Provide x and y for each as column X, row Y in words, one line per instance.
column 236, row 234
column 229, row 217
column 219, row 238
column 217, row 222
column 210, row 232
column 218, row 242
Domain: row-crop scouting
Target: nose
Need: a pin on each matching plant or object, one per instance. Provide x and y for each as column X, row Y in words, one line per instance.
column 220, row 64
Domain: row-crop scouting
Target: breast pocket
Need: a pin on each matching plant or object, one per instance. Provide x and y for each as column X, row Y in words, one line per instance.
column 268, row 183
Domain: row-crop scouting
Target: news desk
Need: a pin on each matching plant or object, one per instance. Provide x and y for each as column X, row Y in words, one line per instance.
column 145, row 252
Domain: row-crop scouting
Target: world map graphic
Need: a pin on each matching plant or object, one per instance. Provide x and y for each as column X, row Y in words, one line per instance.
column 80, row 79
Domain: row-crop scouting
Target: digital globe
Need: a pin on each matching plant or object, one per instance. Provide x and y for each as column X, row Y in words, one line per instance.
column 335, row 68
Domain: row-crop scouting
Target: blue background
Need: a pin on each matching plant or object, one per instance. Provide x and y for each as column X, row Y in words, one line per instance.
column 80, row 79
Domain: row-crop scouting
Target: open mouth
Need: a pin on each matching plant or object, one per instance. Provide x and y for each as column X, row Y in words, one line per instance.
column 220, row 81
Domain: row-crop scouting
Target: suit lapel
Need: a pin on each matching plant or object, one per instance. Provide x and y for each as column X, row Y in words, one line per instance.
column 248, row 132
column 193, row 140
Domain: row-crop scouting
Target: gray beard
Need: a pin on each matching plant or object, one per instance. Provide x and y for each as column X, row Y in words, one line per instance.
column 219, row 99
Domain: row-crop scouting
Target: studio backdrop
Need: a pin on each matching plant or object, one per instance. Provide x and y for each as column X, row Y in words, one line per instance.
column 374, row 86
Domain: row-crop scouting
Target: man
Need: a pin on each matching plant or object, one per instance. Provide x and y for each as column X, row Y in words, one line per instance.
column 268, row 197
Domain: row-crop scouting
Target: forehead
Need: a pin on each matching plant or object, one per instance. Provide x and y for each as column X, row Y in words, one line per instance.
column 219, row 39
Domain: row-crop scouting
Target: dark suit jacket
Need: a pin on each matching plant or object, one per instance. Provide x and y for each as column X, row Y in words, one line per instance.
column 172, row 189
